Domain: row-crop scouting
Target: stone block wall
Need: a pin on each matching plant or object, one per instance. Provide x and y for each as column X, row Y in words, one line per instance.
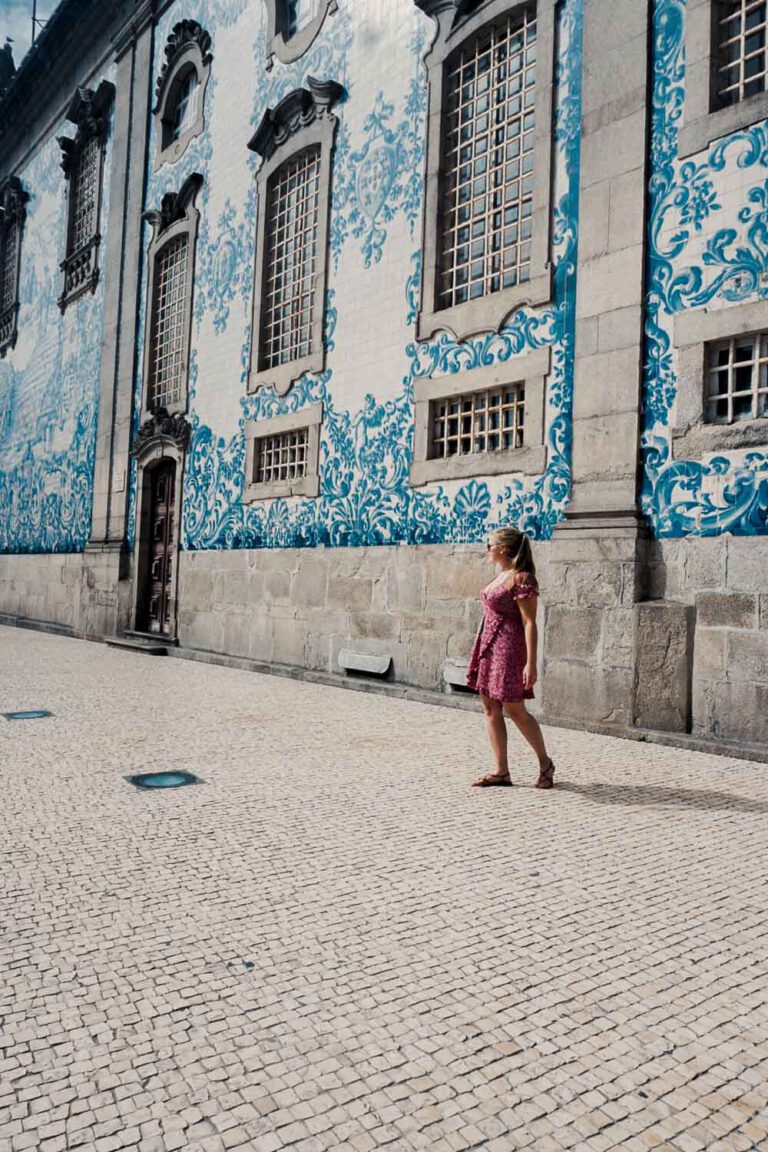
column 302, row 606
column 77, row 591
column 725, row 583
column 590, row 585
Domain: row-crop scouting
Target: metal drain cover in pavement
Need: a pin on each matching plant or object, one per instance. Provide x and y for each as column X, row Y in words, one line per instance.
column 153, row 780
column 32, row 714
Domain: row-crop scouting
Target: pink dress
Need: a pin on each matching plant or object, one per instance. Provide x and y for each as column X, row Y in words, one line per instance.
column 499, row 652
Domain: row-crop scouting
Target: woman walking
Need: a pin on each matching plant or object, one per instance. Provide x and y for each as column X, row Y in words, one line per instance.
column 502, row 667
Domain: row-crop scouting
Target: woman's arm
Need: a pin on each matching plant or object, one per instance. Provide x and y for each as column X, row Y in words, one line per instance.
column 528, row 612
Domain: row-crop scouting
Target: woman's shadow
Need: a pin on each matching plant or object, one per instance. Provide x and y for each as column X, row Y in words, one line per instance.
column 659, row 795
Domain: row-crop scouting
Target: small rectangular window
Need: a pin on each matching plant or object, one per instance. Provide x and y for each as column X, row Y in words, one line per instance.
column 289, row 296
column 169, row 319
column 737, row 379
column 742, row 50
column 487, row 184
column 281, row 457
column 478, row 422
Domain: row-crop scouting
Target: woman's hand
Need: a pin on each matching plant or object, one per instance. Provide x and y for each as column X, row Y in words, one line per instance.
column 530, row 676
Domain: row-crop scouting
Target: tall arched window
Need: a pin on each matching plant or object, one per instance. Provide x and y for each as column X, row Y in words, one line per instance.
column 13, row 212
column 83, row 165
column 488, row 201
column 171, row 281
column 295, row 141
column 179, row 108
column 184, row 105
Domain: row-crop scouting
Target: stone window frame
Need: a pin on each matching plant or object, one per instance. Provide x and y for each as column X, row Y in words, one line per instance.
column 288, row 49
column 310, row 417
column 454, row 27
column 89, row 111
column 188, row 46
column 13, row 211
column 177, row 215
column 530, row 370
column 692, row 435
column 303, row 119
column 703, row 122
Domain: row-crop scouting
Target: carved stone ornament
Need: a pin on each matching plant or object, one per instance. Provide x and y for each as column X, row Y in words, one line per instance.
column 456, row 9
column 88, row 110
column 13, row 202
column 186, row 34
column 298, row 109
column 159, row 427
column 175, row 206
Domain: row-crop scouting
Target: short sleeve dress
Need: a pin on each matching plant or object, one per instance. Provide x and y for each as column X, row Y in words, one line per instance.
column 499, row 652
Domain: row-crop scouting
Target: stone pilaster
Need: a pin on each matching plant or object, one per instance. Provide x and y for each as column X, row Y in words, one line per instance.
column 596, row 562
column 123, row 258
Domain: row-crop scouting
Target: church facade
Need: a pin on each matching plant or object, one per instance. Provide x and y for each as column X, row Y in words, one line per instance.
column 302, row 298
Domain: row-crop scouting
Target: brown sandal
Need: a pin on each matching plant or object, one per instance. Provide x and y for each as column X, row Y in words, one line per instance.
column 546, row 776
column 493, row 780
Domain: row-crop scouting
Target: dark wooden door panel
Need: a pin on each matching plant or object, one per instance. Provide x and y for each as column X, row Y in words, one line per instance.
column 161, row 546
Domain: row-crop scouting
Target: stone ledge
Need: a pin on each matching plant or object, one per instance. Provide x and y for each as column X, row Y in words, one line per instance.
column 45, row 626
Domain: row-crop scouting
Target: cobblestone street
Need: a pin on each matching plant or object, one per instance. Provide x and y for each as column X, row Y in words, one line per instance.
column 335, row 943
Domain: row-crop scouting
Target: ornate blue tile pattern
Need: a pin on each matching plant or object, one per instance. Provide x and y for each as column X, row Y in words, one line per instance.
column 365, row 492
column 49, row 382
column 727, row 492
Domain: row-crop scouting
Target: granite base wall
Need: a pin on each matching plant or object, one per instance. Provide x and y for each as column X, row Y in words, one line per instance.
column 666, row 635
column 82, row 592
column 301, row 607
column 724, row 581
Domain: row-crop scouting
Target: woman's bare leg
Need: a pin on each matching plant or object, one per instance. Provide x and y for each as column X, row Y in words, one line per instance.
column 497, row 733
column 530, row 728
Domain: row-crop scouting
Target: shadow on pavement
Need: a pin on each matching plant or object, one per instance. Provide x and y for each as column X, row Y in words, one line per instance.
column 657, row 795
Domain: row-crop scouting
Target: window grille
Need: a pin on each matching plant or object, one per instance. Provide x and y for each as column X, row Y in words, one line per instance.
column 9, row 240
column 281, row 457
column 85, row 195
column 743, row 50
column 291, row 262
column 169, row 316
column 737, row 379
column 486, row 197
column 476, row 422
column 183, row 112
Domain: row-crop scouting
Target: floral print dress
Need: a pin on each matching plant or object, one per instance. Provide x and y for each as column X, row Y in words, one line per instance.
column 499, row 653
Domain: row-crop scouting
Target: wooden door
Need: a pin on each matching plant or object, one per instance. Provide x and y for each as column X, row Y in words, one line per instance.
column 161, row 550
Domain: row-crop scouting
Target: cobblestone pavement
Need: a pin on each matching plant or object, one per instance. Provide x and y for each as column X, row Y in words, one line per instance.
column 334, row 943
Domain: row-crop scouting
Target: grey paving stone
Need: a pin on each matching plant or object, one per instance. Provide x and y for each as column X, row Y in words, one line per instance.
column 335, row 943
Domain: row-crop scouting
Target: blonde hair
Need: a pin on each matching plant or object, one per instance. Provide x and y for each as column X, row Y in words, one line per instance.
column 516, row 546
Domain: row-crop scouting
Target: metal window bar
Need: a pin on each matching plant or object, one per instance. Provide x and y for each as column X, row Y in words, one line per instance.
column 281, row 457
column 9, row 239
column 486, row 201
column 85, row 196
column 737, row 379
column 742, row 50
column 477, row 422
column 169, row 323
column 291, row 261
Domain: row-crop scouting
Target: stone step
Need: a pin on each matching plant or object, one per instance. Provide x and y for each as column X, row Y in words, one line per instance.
column 150, row 644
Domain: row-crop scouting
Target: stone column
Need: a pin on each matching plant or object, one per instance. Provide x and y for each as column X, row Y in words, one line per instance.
column 596, row 559
column 122, row 264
